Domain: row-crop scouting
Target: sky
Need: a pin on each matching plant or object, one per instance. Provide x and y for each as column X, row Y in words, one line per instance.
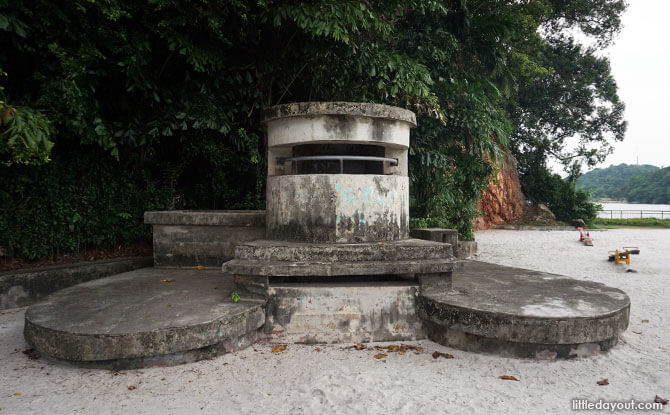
column 640, row 59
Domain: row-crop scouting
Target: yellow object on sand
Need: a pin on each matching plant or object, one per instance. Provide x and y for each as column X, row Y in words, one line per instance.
column 623, row 255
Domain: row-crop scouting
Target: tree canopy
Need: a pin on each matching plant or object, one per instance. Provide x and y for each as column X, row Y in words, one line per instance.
column 173, row 89
column 634, row 183
column 653, row 187
column 612, row 182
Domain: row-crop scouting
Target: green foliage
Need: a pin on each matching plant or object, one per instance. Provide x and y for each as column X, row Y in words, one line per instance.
column 446, row 182
column 24, row 133
column 639, row 184
column 632, row 223
column 86, row 198
column 653, row 187
column 566, row 90
column 24, row 136
column 577, row 98
column 161, row 100
column 67, row 203
column 599, row 19
column 613, row 182
column 560, row 195
column 235, row 296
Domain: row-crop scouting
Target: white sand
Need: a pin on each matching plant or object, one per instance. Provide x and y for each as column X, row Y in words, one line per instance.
column 302, row 380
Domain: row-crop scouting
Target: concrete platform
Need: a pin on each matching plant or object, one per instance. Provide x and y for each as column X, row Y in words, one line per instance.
column 136, row 319
column 522, row 313
column 161, row 317
column 23, row 287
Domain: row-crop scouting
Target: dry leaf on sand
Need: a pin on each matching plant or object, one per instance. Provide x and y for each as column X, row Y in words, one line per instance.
column 278, row 349
column 445, row 355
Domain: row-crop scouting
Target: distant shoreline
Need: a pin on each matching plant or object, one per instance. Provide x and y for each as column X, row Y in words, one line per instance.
column 609, row 201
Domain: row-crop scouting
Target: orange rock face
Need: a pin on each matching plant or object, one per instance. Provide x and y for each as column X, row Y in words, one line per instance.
column 502, row 201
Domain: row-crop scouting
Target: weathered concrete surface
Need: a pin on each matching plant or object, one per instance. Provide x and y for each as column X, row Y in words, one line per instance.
column 466, row 249
column 435, row 283
column 338, row 208
column 449, row 236
column 261, row 286
column 227, row 345
column 193, row 245
column 257, row 262
column 134, row 316
column 524, row 313
column 235, row 218
column 337, row 128
column 185, row 238
column 474, row 343
column 325, row 269
column 461, row 249
column 280, row 258
column 341, row 313
column 371, row 251
column 337, row 122
column 354, row 109
column 24, row 287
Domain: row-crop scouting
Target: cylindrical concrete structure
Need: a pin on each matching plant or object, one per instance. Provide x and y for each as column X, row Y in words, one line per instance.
column 337, row 172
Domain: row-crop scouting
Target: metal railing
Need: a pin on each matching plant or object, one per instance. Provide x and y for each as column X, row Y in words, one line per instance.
column 356, row 158
column 633, row 213
column 340, row 158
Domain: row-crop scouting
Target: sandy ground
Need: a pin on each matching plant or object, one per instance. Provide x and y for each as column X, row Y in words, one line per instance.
column 328, row 379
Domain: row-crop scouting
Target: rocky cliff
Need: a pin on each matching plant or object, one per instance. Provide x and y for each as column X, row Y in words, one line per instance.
column 503, row 201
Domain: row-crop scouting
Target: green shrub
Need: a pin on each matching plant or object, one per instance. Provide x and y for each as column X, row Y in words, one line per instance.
column 87, row 198
column 560, row 195
column 633, row 222
column 446, row 195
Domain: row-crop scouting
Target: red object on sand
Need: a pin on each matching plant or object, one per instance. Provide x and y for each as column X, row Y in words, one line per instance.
column 586, row 239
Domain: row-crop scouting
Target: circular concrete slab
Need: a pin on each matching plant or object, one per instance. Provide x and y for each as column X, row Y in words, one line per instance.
column 517, row 312
column 144, row 317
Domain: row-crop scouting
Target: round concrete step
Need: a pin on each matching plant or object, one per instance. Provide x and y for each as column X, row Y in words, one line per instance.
column 146, row 317
column 522, row 313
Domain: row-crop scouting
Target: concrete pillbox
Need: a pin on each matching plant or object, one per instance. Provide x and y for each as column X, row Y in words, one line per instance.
column 337, row 172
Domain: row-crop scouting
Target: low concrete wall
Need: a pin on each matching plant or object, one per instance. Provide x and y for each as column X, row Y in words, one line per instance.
column 461, row 249
column 466, row 249
column 449, row 236
column 25, row 287
column 185, row 238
